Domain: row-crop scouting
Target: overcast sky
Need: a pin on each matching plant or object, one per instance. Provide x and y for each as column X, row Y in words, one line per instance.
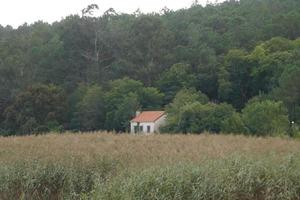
column 17, row 12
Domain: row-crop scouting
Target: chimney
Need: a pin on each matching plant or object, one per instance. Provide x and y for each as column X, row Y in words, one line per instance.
column 137, row 113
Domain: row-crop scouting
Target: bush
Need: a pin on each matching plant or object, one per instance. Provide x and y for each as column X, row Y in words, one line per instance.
column 234, row 124
column 197, row 118
column 265, row 118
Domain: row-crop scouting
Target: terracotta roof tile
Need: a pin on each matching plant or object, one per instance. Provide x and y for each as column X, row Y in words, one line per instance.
column 148, row 116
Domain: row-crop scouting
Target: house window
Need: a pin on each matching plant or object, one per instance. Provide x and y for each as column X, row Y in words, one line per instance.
column 136, row 129
column 148, row 129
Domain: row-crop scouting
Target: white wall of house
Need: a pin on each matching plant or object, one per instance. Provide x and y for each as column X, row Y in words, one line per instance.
column 159, row 123
column 154, row 126
column 144, row 126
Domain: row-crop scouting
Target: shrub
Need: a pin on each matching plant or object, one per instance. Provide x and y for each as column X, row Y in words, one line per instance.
column 197, row 117
column 234, row 124
column 265, row 118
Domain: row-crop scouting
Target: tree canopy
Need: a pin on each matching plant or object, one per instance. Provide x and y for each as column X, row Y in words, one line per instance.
column 200, row 64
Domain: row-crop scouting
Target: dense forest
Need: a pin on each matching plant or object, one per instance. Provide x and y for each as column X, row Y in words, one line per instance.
column 231, row 67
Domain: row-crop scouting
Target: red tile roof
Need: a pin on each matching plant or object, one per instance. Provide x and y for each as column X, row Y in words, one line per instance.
column 148, row 116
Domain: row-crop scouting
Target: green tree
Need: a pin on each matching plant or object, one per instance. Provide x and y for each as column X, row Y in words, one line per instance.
column 197, row 118
column 269, row 61
column 231, row 51
column 234, row 124
column 151, row 98
column 235, row 84
column 190, row 112
column 173, row 80
column 35, row 109
column 183, row 97
column 289, row 92
column 119, row 118
column 149, row 48
column 90, row 112
column 124, row 98
column 207, row 72
column 264, row 118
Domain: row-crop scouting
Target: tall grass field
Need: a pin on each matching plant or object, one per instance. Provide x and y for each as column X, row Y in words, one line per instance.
column 159, row 167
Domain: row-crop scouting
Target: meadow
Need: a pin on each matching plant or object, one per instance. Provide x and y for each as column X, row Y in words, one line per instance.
column 108, row 166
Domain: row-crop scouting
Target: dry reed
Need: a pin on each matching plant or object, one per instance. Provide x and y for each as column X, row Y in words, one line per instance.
column 137, row 151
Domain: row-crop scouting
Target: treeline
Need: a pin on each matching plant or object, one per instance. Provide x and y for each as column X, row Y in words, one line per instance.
column 231, row 67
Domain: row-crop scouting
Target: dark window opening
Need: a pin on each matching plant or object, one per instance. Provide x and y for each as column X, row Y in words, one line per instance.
column 136, row 129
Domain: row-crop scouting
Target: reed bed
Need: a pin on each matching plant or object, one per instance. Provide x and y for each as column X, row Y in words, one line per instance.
column 103, row 165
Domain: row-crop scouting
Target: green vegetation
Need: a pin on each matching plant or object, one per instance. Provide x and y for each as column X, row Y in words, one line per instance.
column 163, row 167
column 265, row 117
column 36, row 180
column 37, row 109
column 232, row 178
column 229, row 68
column 87, row 73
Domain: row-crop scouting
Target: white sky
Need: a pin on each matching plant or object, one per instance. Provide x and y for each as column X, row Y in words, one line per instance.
column 17, row 12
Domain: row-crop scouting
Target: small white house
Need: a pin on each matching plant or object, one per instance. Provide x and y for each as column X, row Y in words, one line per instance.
column 147, row 122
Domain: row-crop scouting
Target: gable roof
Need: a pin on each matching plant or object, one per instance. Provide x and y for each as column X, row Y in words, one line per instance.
column 148, row 116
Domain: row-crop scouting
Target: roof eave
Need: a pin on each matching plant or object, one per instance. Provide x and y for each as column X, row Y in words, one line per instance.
column 149, row 121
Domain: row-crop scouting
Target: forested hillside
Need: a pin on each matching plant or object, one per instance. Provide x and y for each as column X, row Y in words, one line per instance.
column 232, row 67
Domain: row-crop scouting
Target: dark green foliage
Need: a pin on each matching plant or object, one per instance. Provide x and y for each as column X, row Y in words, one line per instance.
column 238, row 89
column 124, row 98
column 265, row 118
column 90, row 110
column 289, row 91
column 118, row 118
column 178, row 76
column 232, row 52
column 190, row 112
column 36, row 109
column 183, row 98
column 197, row 118
column 233, row 124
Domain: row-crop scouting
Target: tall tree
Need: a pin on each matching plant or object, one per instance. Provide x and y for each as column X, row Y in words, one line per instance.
column 36, row 109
